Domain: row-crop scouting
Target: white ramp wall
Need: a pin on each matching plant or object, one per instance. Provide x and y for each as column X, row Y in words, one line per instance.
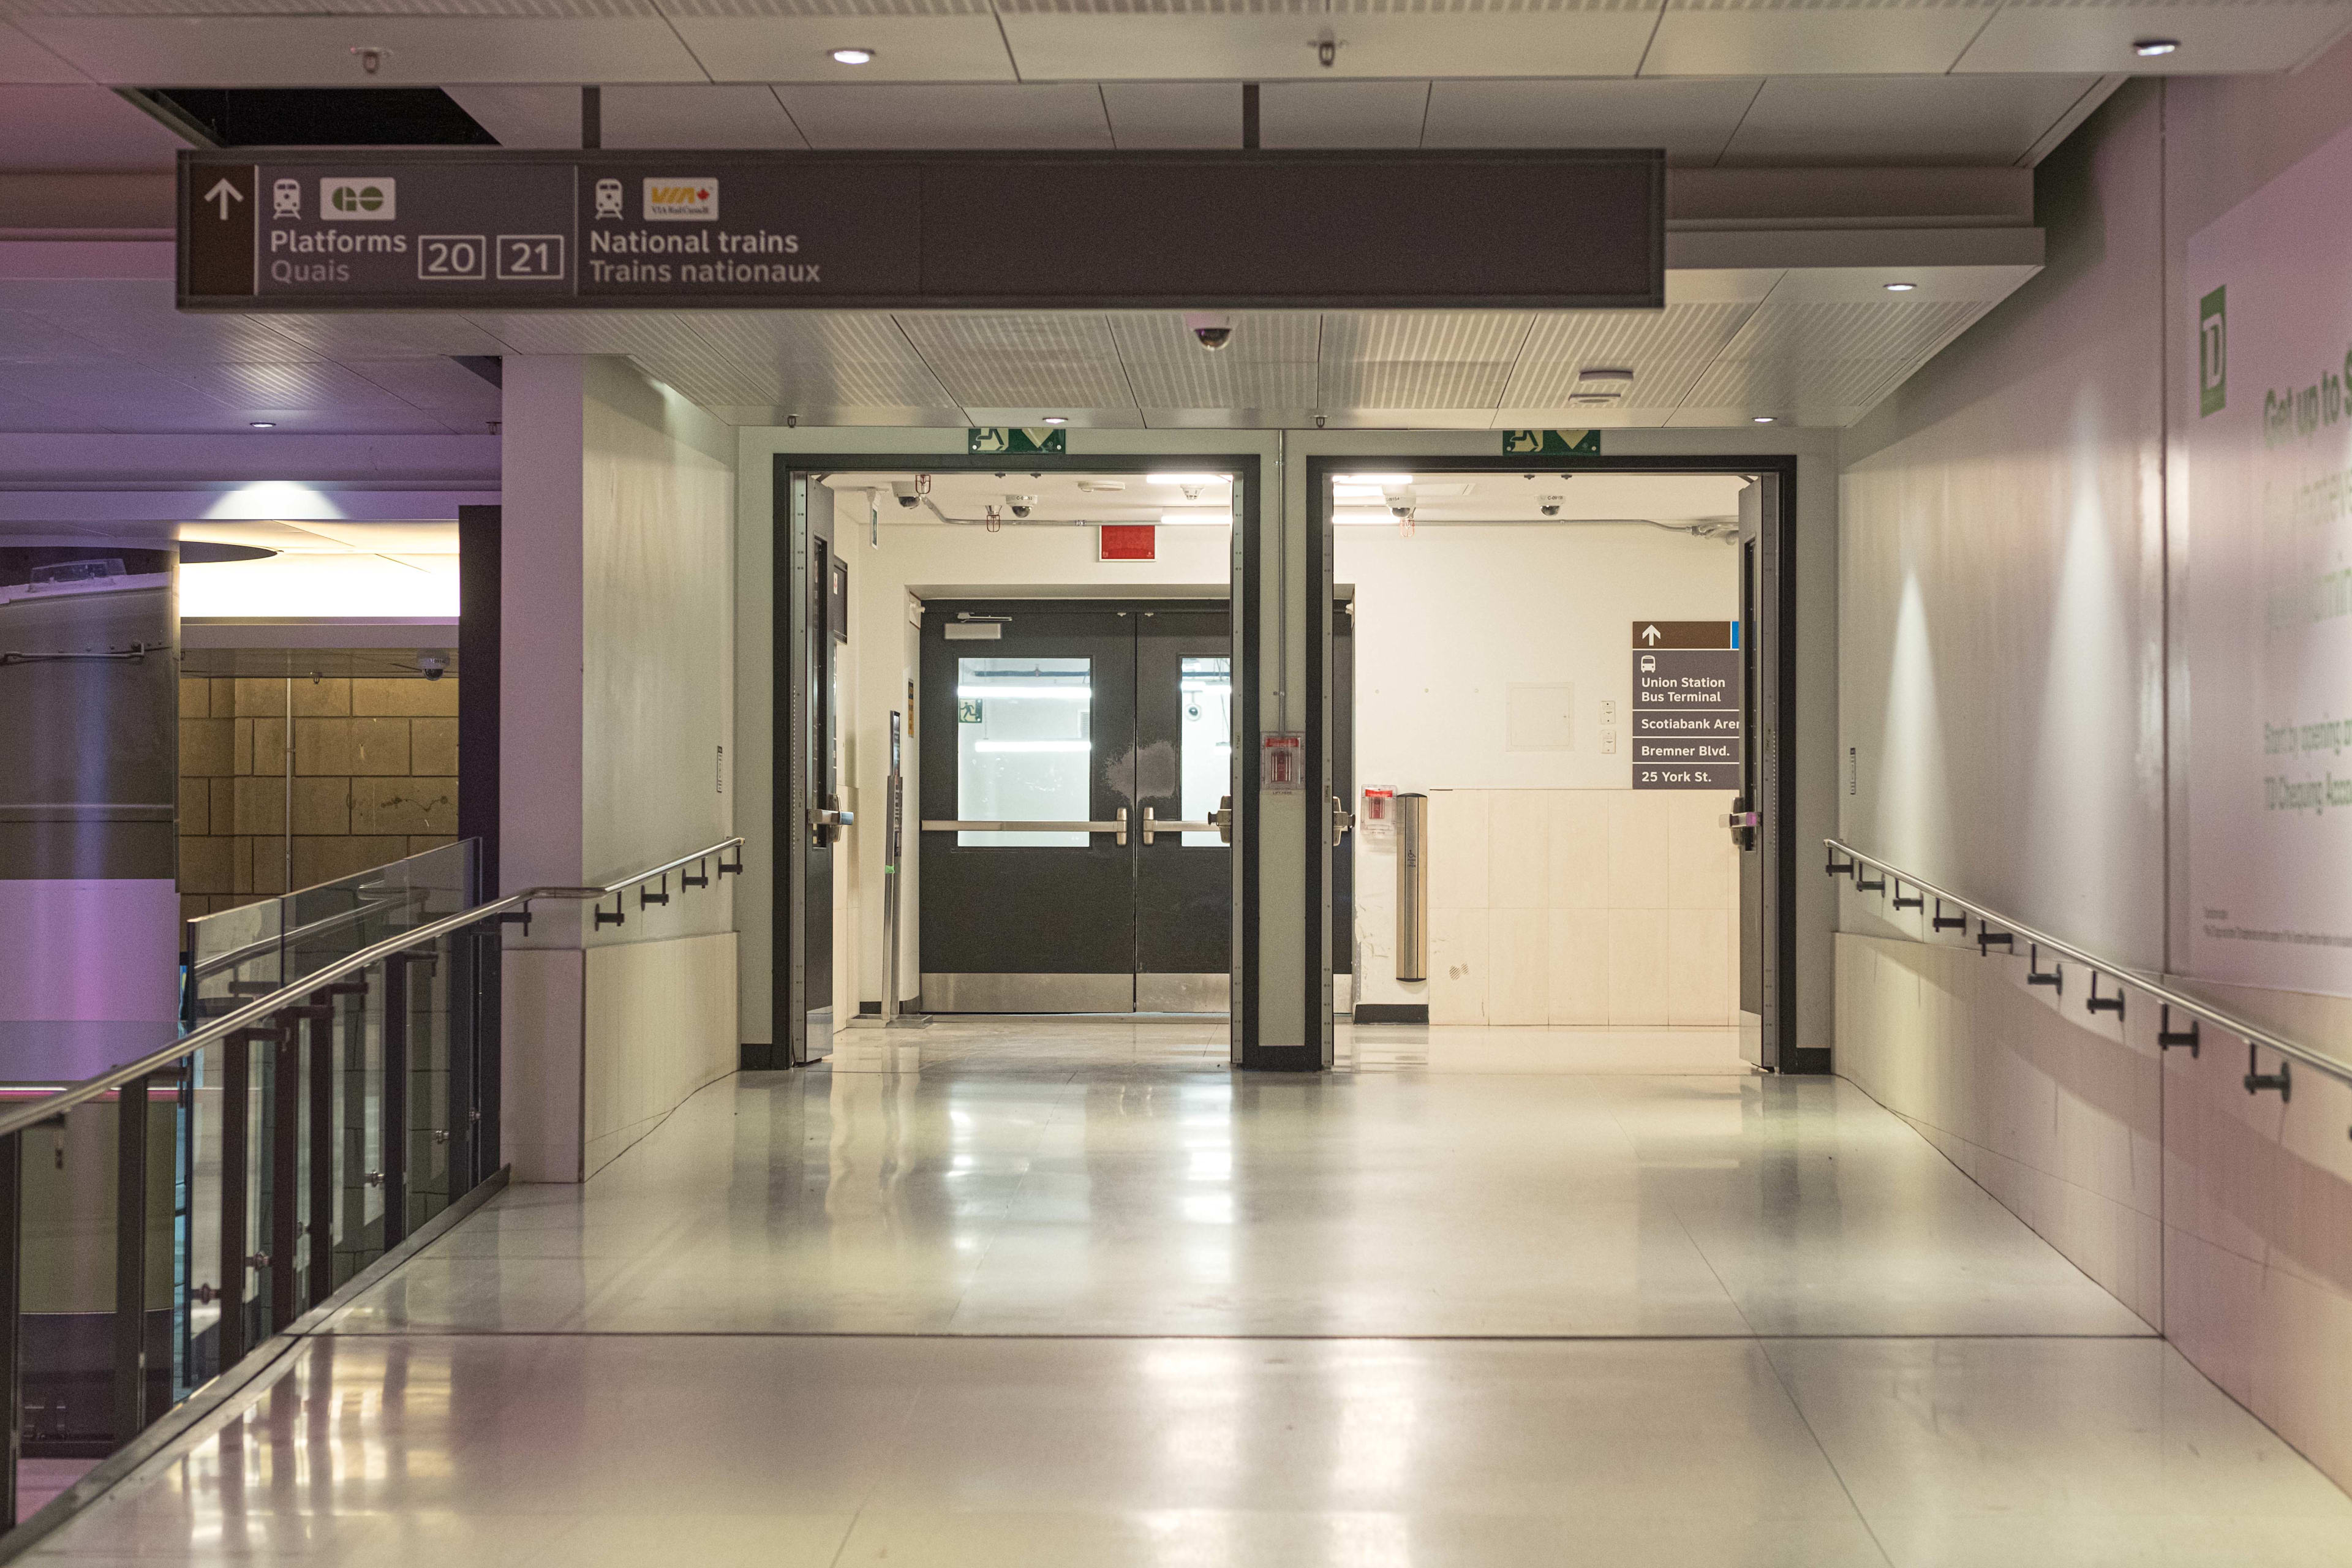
column 616, row 717
column 2018, row 701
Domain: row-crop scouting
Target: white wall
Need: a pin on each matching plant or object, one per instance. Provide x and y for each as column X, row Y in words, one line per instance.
column 2014, row 522
column 618, row 654
column 1448, row 620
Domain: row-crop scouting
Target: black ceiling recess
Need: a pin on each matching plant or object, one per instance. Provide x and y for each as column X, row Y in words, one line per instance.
column 320, row 116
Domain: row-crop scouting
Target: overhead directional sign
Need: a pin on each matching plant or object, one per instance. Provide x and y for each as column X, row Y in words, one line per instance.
column 468, row 228
column 1687, row 721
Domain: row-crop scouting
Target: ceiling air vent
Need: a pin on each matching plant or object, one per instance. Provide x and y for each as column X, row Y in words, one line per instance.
column 1600, row 387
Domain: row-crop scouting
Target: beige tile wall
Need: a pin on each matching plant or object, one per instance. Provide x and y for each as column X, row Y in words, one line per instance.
column 1595, row 907
column 375, row 779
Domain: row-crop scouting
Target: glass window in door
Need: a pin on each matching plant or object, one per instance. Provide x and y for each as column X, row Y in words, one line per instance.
column 1206, row 749
column 1024, row 747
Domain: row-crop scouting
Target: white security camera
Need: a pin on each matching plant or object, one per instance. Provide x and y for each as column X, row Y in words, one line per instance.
column 1021, row 506
column 906, row 491
column 1211, row 332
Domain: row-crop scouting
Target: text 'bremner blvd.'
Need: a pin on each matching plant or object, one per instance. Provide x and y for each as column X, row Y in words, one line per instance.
column 1686, row 705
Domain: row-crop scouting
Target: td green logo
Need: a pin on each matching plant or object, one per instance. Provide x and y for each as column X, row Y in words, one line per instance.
column 2212, row 353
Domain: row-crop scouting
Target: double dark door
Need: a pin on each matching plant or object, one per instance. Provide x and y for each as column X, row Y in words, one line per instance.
column 1074, row 756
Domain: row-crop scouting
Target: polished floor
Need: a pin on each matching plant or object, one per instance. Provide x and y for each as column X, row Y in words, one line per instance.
column 1077, row 1294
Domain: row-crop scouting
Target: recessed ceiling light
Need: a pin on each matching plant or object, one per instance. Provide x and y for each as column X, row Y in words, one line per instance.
column 265, row 424
column 2153, row 48
column 1055, row 419
column 1761, row 419
column 1901, row 288
column 853, row 56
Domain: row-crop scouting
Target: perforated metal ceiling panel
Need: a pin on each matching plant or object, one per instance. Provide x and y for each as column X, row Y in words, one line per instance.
column 1022, row 360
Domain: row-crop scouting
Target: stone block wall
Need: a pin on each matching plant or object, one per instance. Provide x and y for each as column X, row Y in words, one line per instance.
column 374, row 778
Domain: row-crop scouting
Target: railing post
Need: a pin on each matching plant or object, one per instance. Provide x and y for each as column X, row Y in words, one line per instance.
column 130, row 1261
column 236, row 1111
column 396, row 1099
column 12, row 1367
column 286, row 1165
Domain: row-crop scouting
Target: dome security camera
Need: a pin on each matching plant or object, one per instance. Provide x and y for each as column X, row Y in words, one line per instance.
column 433, row 665
column 1021, row 506
column 1211, row 330
column 906, row 491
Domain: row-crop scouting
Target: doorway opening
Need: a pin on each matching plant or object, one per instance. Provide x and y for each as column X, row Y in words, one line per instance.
column 1570, row 687
column 1034, row 659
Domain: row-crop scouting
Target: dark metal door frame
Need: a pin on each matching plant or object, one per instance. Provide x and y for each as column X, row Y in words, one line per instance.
column 791, row 805
column 1771, row 725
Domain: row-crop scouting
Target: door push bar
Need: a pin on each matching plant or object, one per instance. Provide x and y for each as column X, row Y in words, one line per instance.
column 1117, row 827
column 1152, row 824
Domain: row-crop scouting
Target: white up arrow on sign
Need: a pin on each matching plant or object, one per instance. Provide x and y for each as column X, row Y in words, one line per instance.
column 1649, row 634
column 224, row 193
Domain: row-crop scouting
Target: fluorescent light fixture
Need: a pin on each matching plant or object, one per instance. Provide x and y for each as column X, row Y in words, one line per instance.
column 1204, row 515
column 273, row 500
column 1055, row 419
column 263, row 424
column 1901, row 288
column 1364, row 515
column 1356, row 492
column 2154, row 48
column 1055, row 746
column 1068, row 693
column 853, row 56
column 1371, row 478
column 1187, row 478
column 1761, row 419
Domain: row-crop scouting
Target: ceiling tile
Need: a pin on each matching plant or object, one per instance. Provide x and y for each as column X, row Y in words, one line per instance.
column 136, row 318
column 1691, row 120
column 751, row 41
column 322, row 52
column 1008, row 360
column 1901, row 120
column 2028, row 36
column 1364, row 335
column 1826, row 329
column 1239, row 40
column 1628, row 338
column 1796, row 37
column 988, row 116
column 22, row 61
column 442, row 387
column 1269, row 363
column 1343, row 113
column 80, row 128
column 1148, row 114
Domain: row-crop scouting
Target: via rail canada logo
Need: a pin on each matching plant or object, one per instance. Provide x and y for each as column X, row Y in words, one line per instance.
column 669, row 199
column 359, row 201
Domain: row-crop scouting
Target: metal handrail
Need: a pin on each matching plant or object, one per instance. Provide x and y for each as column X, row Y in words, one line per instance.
column 1993, row 923
column 51, row 1107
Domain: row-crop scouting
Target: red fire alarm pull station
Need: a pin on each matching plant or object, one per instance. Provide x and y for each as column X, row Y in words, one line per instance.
column 1129, row 542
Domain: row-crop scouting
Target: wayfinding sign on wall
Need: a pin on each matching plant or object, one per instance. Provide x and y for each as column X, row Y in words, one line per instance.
column 471, row 229
column 1686, row 716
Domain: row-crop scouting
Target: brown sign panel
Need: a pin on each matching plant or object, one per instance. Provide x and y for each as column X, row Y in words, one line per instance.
column 1686, row 634
column 216, row 224
column 465, row 228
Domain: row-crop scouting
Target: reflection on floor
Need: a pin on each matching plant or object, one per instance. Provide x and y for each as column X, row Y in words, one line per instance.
column 1077, row 1294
